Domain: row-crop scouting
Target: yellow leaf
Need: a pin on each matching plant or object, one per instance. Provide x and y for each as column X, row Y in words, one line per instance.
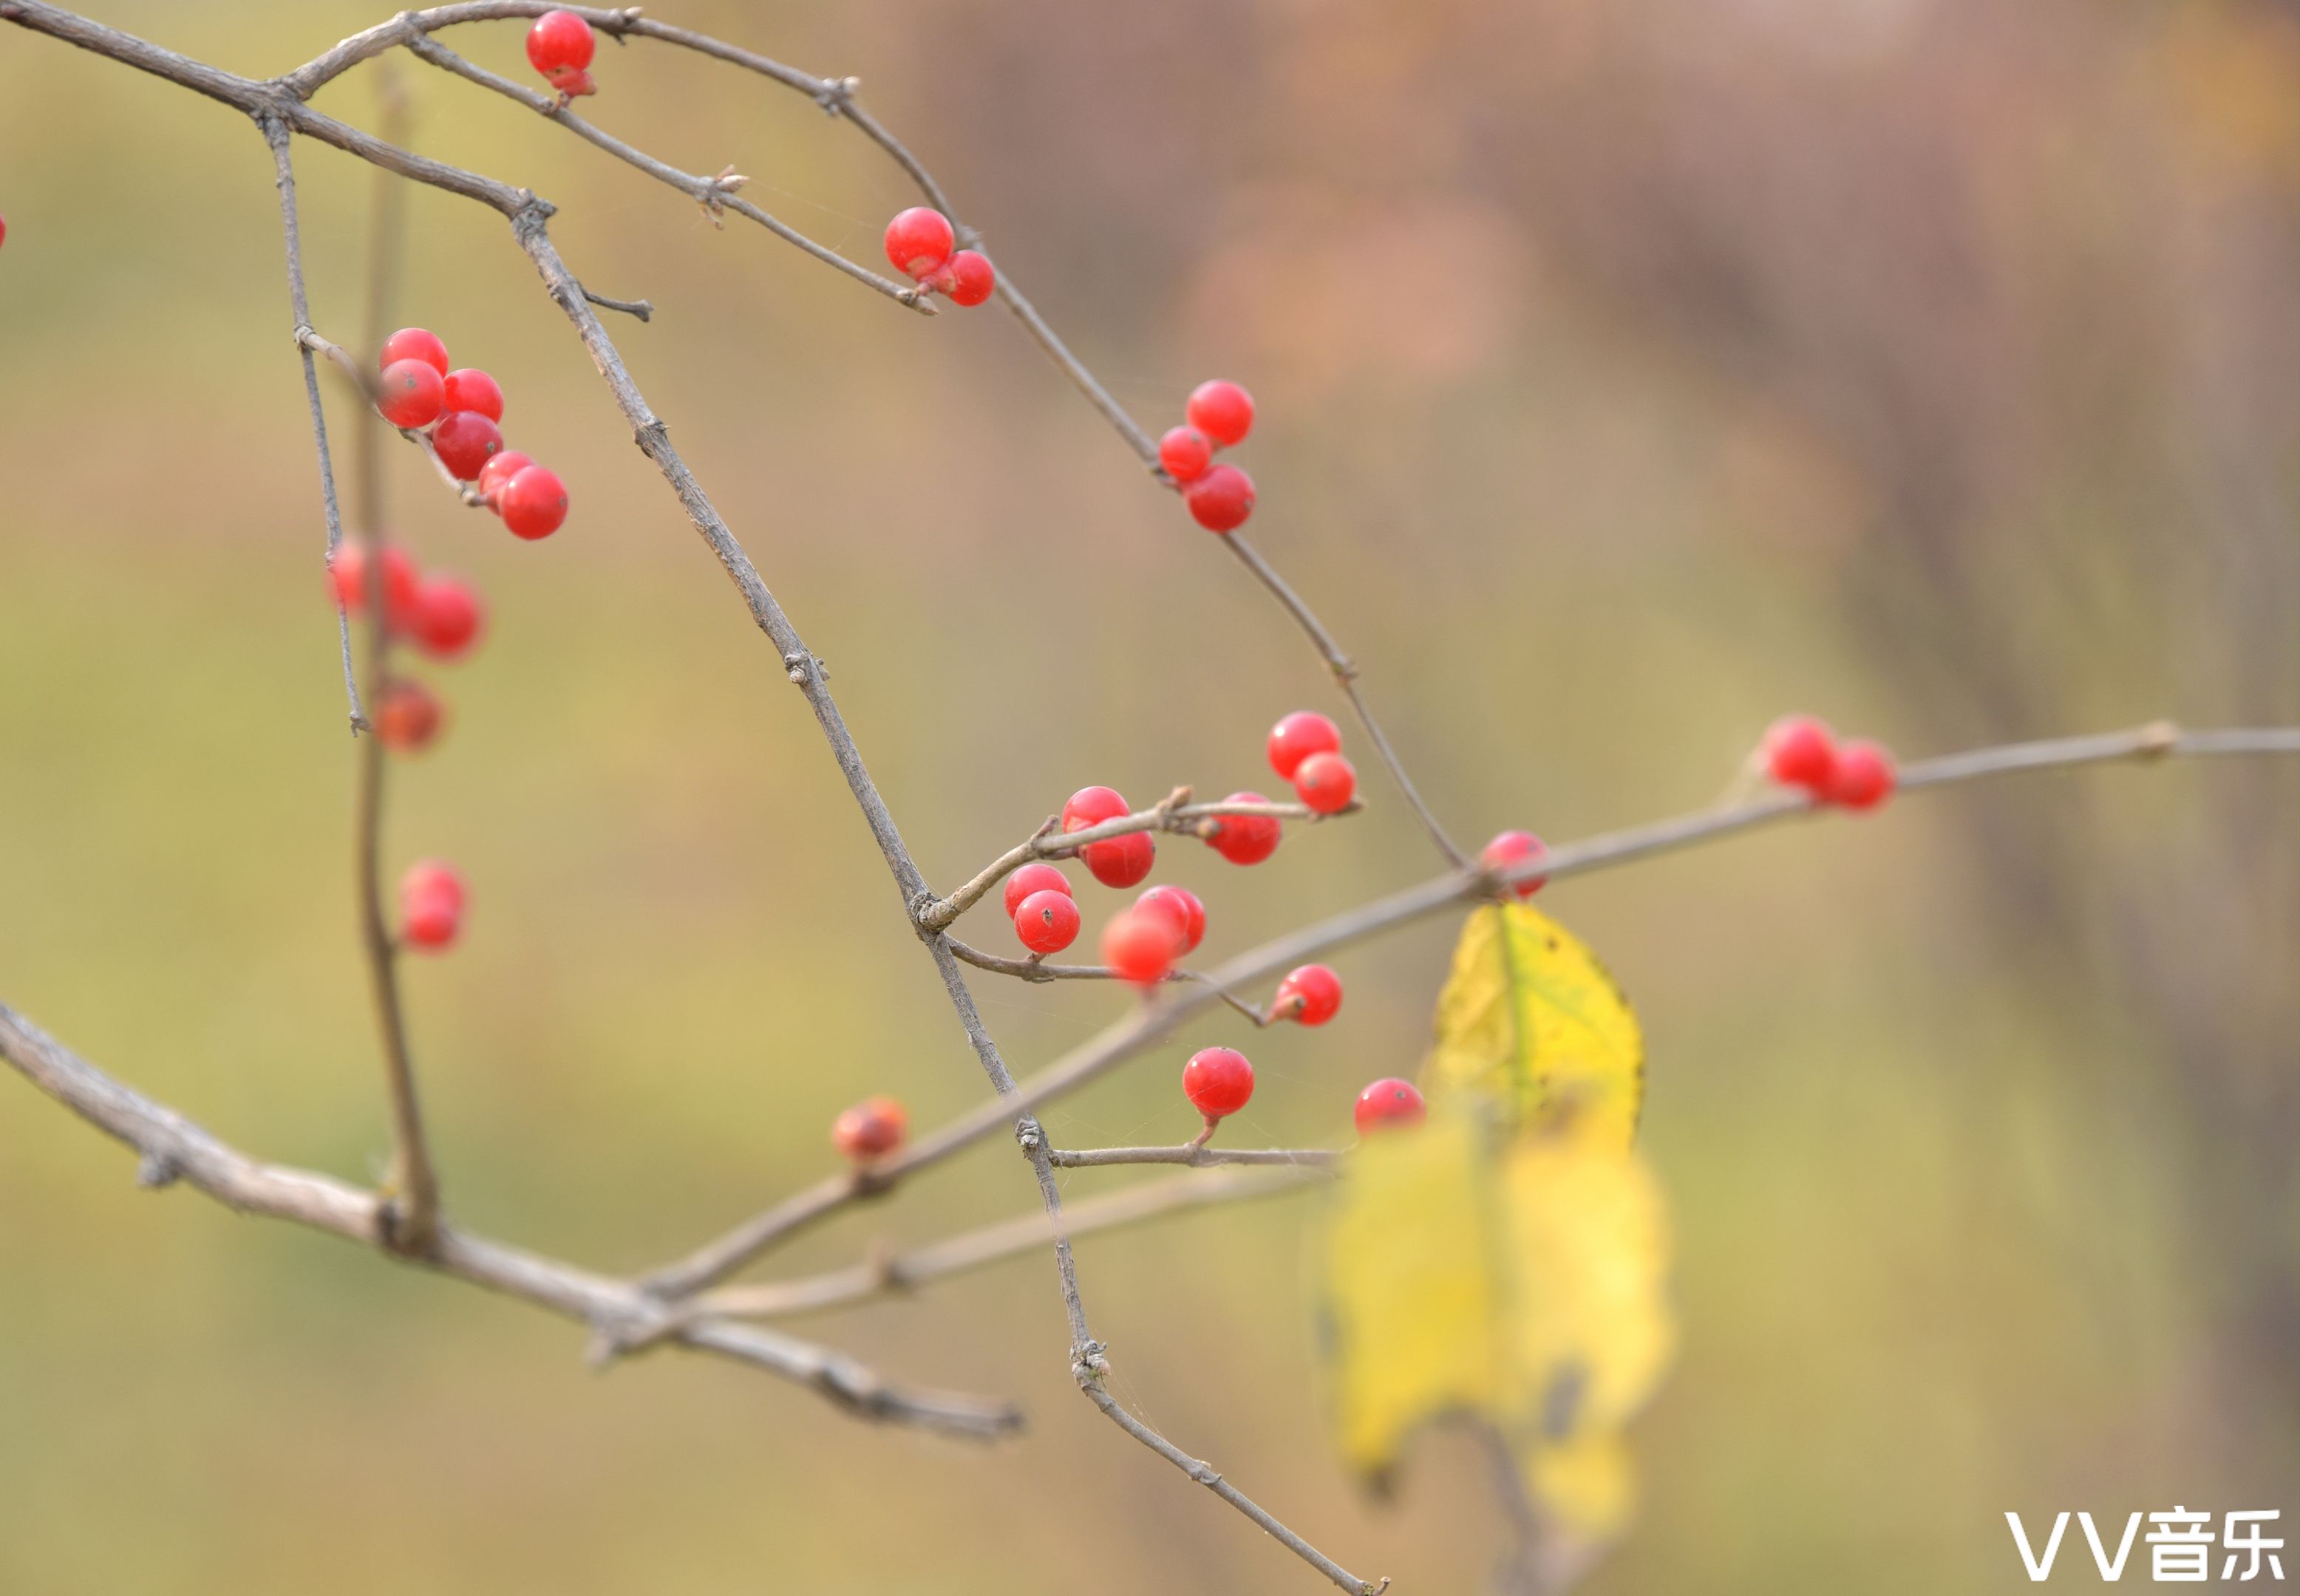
column 1530, row 1020
column 1508, row 1261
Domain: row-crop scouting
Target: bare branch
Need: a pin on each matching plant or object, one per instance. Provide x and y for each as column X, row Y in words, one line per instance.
column 173, row 1150
column 276, row 135
column 1010, row 1238
column 643, row 309
column 715, row 195
column 1197, row 1156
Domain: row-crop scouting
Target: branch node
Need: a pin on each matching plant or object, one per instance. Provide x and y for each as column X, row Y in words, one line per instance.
column 836, row 93
column 155, row 1170
column 2156, row 739
column 1029, row 1136
column 1088, row 1365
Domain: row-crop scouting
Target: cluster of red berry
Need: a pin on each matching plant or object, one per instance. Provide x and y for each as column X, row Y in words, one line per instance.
column 1800, row 751
column 921, row 243
column 440, row 614
column 461, row 407
column 1305, row 748
column 1219, row 415
column 560, row 46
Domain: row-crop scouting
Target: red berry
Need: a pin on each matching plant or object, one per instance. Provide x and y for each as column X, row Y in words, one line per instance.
column 919, row 240
column 474, row 390
column 560, row 41
column 533, row 502
column 1221, row 500
column 1034, row 878
column 1119, row 862
column 870, row 1130
column 4, row 229
column 1244, row 839
column 1223, row 410
column 1218, row 1081
column 966, row 279
column 413, row 343
column 1514, row 848
column 1185, row 453
column 407, row 716
column 1091, row 806
column 1864, row 776
column 1188, row 915
column 1390, row 1104
column 1800, row 751
column 1140, row 948
column 1047, row 921
column 1300, row 735
column 1122, row 861
column 430, row 905
column 1326, row 782
column 445, row 617
column 348, row 569
column 411, row 394
column 1310, row 994
column 465, row 441
column 501, row 468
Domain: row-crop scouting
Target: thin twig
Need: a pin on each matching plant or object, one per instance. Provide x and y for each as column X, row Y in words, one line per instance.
column 172, row 1149
column 715, row 195
column 1009, row 1238
column 641, row 308
column 276, row 135
column 1197, row 1155
column 1174, row 813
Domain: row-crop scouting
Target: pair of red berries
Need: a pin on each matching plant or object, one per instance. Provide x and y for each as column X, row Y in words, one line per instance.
column 922, row 245
column 870, row 1130
column 1305, row 748
column 1219, row 1082
column 1219, row 415
column 430, row 905
column 1802, row 752
column 560, row 46
column 462, row 408
column 1142, row 943
column 440, row 614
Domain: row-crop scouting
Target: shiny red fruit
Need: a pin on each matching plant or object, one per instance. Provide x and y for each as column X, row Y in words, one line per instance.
column 1311, row 994
column 1864, row 776
column 1034, row 878
column 1326, row 782
column 1300, row 735
column 560, row 41
column 413, row 343
column 407, row 716
column 1048, row 922
column 966, row 279
column 410, row 393
column 1185, row 453
column 533, row 502
column 1390, row 1104
column 919, row 240
column 1188, row 915
column 1218, row 1081
column 1223, row 410
column 1122, row 861
column 1800, row 751
column 1245, row 839
column 465, row 441
column 474, row 390
column 1091, row 806
column 1514, row 848
column 445, row 617
column 1140, row 948
column 1221, row 500
column 430, row 905
column 870, row 1130
column 501, row 468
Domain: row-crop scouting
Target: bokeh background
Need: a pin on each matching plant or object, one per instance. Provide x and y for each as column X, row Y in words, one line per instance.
column 1629, row 372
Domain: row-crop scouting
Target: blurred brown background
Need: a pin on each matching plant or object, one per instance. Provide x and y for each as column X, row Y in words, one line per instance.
column 1628, row 373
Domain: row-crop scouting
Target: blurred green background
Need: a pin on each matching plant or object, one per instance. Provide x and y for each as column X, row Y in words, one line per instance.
column 1628, row 373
